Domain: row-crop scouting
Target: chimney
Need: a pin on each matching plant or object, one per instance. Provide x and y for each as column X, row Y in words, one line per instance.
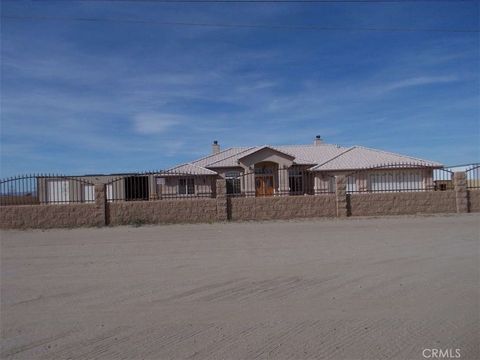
column 318, row 140
column 215, row 147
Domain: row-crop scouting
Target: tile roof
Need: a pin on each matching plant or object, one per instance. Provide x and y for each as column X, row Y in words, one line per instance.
column 358, row 157
column 323, row 157
column 258, row 148
column 227, row 157
column 303, row 154
column 192, row 169
column 312, row 154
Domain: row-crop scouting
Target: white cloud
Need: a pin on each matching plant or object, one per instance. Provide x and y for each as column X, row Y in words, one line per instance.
column 419, row 81
column 154, row 123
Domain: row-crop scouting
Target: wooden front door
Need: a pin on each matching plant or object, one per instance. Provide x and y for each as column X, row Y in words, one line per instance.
column 263, row 185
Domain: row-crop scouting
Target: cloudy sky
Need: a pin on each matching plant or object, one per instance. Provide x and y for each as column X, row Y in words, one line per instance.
column 114, row 86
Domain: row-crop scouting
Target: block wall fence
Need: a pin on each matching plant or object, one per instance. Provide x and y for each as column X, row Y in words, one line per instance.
column 223, row 208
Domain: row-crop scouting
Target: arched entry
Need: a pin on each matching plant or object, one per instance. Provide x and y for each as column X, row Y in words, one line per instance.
column 265, row 178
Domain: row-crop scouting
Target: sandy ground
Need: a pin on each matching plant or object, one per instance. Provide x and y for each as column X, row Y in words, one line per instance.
column 324, row 289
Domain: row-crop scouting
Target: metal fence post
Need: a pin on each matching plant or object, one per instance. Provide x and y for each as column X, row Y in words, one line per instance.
column 460, row 186
column 222, row 201
column 341, row 195
column 100, row 205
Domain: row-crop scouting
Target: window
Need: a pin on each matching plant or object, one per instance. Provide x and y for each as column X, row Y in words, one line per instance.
column 58, row 191
column 89, row 193
column 325, row 184
column 136, row 188
column 233, row 182
column 186, row 186
column 264, row 170
column 399, row 181
column 351, row 184
column 295, row 181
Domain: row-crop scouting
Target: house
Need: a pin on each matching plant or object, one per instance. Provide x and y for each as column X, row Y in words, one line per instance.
column 297, row 170
column 257, row 171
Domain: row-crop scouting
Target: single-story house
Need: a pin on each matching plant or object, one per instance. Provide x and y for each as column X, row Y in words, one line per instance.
column 298, row 169
column 259, row 171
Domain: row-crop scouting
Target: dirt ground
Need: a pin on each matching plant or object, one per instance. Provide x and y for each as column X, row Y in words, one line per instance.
column 318, row 289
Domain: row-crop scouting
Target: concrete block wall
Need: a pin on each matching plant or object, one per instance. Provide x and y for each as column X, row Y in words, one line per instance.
column 341, row 196
column 222, row 208
column 49, row 216
column 377, row 204
column 461, row 194
column 281, row 207
column 474, row 200
column 222, row 201
column 161, row 211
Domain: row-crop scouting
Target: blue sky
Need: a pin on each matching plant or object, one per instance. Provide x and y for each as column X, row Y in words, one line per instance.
column 113, row 96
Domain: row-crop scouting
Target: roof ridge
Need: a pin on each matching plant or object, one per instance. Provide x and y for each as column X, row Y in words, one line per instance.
column 183, row 164
column 277, row 149
column 191, row 164
column 228, row 157
column 310, row 145
column 207, row 156
column 396, row 154
column 258, row 148
column 336, row 156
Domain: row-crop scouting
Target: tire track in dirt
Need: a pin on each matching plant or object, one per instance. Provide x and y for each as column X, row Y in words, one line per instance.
column 162, row 340
column 276, row 340
column 78, row 348
column 331, row 346
column 276, row 288
column 302, row 285
column 22, row 348
column 220, row 345
column 197, row 290
column 246, row 288
column 64, row 296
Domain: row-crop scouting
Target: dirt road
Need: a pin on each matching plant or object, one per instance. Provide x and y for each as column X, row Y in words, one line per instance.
column 324, row 289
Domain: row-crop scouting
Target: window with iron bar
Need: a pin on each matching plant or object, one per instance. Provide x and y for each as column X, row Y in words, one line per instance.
column 186, row 186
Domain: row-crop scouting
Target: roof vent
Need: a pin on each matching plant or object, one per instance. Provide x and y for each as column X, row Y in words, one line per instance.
column 215, row 147
column 318, row 140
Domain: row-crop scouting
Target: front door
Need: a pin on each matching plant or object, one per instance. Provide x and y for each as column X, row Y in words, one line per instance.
column 264, row 185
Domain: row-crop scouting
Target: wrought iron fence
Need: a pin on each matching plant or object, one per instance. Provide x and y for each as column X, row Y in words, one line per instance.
column 261, row 182
column 268, row 181
column 473, row 176
column 401, row 177
column 45, row 189
column 158, row 185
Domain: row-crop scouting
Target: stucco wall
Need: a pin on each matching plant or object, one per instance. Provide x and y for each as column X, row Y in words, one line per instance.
column 402, row 203
column 162, row 211
column 287, row 207
column 50, row 216
column 474, row 200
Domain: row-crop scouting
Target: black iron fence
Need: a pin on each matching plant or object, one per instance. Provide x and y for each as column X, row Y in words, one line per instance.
column 401, row 177
column 160, row 185
column 473, row 176
column 45, row 189
column 261, row 182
